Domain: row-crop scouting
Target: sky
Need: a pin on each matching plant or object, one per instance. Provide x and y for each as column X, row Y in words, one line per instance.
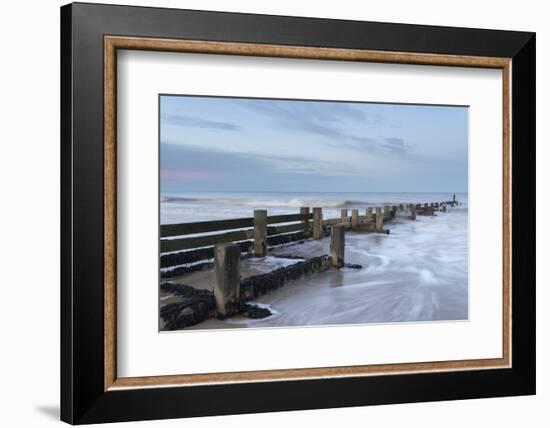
column 266, row 145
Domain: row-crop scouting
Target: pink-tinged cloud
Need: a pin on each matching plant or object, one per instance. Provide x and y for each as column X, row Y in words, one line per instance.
column 176, row 174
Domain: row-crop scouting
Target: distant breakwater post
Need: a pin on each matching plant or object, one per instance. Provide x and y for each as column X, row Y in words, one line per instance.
column 354, row 218
column 222, row 245
column 379, row 220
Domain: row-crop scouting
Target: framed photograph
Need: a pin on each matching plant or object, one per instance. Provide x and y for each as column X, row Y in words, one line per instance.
column 266, row 213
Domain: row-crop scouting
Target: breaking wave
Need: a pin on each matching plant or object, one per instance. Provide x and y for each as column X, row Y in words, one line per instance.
column 292, row 202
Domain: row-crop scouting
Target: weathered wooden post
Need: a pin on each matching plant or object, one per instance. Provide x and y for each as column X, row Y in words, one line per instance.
column 354, row 218
column 369, row 215
column 444, row 208
column 394, row 210
column 305, row 222
column 379, row 219
column 454, row 199
column 401, row 207
column 227, row 278
column 426, row 205
column 413, row 212
column 386, row 210
column 343, row 215
column 260, row 233
column 337, row 245
column 317, row 223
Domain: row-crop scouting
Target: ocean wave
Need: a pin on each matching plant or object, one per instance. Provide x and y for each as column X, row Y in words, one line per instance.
column 255, row 202
column 176, row 199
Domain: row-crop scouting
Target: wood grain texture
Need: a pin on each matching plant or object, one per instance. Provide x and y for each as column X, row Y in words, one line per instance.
column 302, row 52
column 507, row 213
column 112, row 43
column 167, row 230
column 278, row 230
column 168, row 245
column 109, row 195
column 297, row 374
column 284, row 218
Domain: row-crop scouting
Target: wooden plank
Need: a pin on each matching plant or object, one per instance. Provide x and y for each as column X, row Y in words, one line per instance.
column 318, row 223
column 195, row 255
column 274, row 219
column 260, row 233
column 354, row 218
column 277, row 230
column 344, row 224
column 337, row 245
column 227, row 278
column 167, row 230
column 305, row 223
column 379, row 219
column 167, row 245
column 286, row 238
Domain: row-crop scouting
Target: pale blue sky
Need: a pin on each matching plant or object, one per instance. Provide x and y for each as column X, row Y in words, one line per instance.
column 240, row 144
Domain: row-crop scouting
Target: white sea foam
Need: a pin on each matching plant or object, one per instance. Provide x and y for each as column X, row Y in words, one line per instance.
column 194, row 206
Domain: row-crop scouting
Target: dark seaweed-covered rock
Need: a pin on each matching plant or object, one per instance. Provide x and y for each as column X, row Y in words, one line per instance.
column 353, row 266
column 196, row 306
column 257, row 285
column 255, row 312
column 287, row 256
column 186, row 291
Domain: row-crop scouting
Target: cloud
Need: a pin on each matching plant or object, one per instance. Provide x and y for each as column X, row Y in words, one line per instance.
column 308, row 111
column 197, row 122
column 175, row 157
column 182, row 163
column 306, row 166
column 320, row 118
column 330, row 120
column 287, row 144
column 186, row 175
column 327, row 119
column 393, row 144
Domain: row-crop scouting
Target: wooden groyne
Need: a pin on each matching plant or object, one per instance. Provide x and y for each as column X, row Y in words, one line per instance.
column 222, row 245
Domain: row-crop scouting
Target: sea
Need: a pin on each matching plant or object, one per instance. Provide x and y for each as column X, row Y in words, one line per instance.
column 417, row 273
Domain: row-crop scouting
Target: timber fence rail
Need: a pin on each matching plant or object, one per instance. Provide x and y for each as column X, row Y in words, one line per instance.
column 187, row 243
column 246, row 232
